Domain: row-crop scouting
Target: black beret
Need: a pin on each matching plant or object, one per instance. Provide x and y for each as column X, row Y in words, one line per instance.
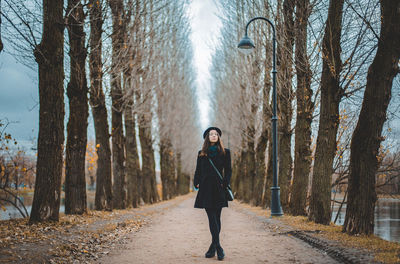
column 212, row 128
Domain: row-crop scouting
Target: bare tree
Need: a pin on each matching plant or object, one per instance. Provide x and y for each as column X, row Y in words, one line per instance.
column 131, row 82
column 118, row 146
column 15, row 169
column 103, row 198
column 302, row 163
column 286, row 37
column 143, row 103
column 367, row 138
column 329, row 116
column 239, row 81
column 75, row 183
column 49, row 55
column 166, row 96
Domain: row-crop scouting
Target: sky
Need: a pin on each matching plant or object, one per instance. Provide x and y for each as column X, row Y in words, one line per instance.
column 205, row 26
column 19, row 95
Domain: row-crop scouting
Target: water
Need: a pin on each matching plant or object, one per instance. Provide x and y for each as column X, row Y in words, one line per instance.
column 387, row 218
column 12, row 213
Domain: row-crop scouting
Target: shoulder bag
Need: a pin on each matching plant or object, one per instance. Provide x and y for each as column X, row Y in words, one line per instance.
column 228, row 190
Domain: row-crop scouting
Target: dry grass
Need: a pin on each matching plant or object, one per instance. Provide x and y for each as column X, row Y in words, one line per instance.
column 384, row 251
column 391, row 196
column 73, row 237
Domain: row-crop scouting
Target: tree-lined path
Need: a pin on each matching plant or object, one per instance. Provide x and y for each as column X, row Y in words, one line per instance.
column 122, row 92
column 180, row 234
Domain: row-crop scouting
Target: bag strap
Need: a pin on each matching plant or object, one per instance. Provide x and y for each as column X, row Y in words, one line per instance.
column 215, row 169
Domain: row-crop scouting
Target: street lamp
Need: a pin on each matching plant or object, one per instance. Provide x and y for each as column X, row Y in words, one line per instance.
column 246, row 46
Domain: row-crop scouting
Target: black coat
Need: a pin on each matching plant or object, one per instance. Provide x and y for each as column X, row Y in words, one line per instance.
column 211, row 194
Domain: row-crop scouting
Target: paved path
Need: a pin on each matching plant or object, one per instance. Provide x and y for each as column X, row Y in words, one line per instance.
column 180, row 234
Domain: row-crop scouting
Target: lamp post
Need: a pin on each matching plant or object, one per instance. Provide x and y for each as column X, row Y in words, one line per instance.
column 246, row 45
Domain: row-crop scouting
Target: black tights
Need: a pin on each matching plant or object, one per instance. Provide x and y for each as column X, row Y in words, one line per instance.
column 214, row 221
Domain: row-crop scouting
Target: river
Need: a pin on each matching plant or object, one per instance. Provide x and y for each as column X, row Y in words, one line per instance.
column 387, row 218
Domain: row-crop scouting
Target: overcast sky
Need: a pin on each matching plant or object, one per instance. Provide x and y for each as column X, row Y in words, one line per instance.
column 205, row 30
column 19, row 99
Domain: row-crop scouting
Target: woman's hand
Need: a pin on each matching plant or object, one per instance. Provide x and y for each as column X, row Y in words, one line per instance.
column 197, row 186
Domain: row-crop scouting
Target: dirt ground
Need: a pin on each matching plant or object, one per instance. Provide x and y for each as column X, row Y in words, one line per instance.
column 180, row 234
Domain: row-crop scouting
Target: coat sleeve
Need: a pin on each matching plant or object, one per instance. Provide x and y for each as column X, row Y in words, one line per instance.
column 227, row 168
column 197, row 173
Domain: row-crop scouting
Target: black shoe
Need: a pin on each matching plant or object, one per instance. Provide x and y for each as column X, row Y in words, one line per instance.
column 220, row 252
column 211, row 251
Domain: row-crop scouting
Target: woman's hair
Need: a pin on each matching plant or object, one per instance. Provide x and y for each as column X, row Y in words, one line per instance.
column 207, row 144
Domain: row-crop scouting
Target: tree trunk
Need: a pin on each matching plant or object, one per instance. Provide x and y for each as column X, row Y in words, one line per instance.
column 329, row 116
column 250, row 164
column 132, row 157
column 261, row 170
column 172, row 173
column 302, row 147
column 260, row 167
column 234, row 178
column 183, row 181
column 119, row 184
column 285, row 157
column 268, row 181
column 250, row 177
column 150, row 194
column 49, row 55
column 167, row 169
column 148, row 176
column 365, row 143
column 164, row 171
column 240, row 175
column 103, row 197
column 246, row 177
column 75, row 182
column 131, row 83
column 285, row 97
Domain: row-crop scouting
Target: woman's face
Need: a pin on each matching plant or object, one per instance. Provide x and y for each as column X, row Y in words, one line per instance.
column 213, row 136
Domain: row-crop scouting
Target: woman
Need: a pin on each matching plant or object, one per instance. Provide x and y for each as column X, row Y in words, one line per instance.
column 211, row 194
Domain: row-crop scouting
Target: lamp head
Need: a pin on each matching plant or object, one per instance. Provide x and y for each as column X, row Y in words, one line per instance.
column 246, row 45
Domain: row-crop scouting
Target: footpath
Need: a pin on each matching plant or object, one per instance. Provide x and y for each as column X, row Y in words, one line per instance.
column 181, row 234
column 172, row 231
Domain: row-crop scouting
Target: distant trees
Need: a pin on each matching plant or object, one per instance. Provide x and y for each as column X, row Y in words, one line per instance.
column 17, row 171
column 149, row 79
column 323, row 55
